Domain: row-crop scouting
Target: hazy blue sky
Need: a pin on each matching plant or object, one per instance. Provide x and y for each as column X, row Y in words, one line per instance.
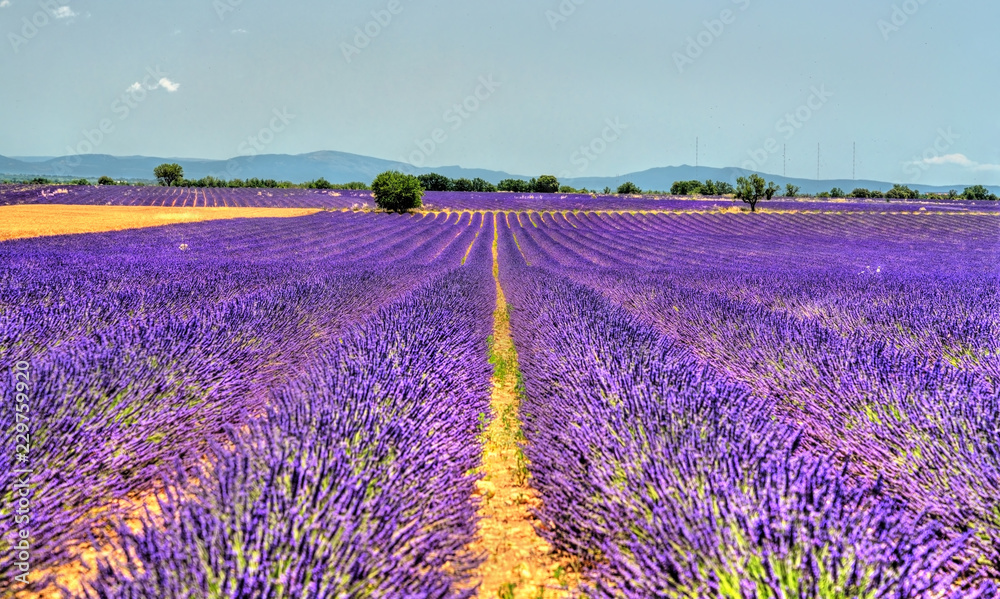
column 584, row 87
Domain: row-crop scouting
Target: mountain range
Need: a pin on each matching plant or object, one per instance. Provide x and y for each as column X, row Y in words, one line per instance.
column 342, row 167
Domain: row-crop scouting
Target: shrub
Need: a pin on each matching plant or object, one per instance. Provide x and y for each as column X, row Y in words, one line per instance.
column 837, row 192
column 860, row 192
column 397, row 192
column 629, row 188
column 105, row 180
column 545, row 184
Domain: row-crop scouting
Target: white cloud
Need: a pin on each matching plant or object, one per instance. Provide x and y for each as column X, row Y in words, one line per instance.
column 958, row 160
column 165, row 83
column 237, row 31
column 4, row 3
column 168, row 85
column 63, row 12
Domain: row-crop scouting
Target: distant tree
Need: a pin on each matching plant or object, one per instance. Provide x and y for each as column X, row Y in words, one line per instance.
column 79, row 182
column 568, row 189
column 515, row 185
column 860, row 192
column 752, row 189
column 40, row 181
column 722, row 188
column 952, row 194
column 792, row 191
column 629, row 188
column 875, row 193
column 546, row 184
column 823, row 194
column 976, row 192
column 105, row 180
column 320, row 183
column 461, row 185
column 355, row 185
column 482, row 185
column 169, row 174
column 837, row 192
column 685, row 188
column 902, row 192
column 397, row 192
column 435, row 182
column 607, row 191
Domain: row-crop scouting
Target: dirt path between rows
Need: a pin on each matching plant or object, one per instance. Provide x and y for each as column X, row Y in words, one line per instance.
column 519, row 563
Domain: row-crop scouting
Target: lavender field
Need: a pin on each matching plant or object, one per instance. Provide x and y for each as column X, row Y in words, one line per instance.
column 802, row 403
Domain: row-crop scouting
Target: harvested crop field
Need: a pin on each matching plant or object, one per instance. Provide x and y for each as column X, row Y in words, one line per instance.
column 40, row 220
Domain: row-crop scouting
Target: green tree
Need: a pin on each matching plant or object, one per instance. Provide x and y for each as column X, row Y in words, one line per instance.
column 792, row 191
column 902, row 192
column 79, row 182
column 685, row 188
column 860, row 192
column 482, row 185
column 169, row 174
column 752, row 189
column 320, row 183
column 976, row 192
column 396, row 192
column 461, row 184
column 722, row 188
column 546, row 184
column 629, row 188
column 105, row 180
column 435, row 182
column 607, row 191
column 515, row 185
column 837, row 192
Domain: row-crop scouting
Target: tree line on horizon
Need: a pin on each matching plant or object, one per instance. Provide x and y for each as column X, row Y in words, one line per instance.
column 172, row 175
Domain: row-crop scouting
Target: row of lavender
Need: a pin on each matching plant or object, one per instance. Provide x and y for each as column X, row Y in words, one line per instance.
column 734, row 499
column 340, row 199
column 675, row 481
column 149, row 348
